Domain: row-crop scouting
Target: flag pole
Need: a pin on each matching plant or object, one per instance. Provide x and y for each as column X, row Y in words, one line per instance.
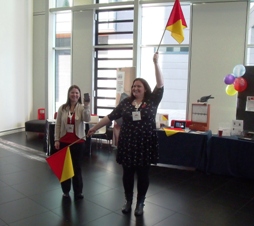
column 77, row 141
column 161, row 39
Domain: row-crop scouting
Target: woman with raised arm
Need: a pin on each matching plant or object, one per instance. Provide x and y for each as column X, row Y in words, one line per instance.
column 138, row 143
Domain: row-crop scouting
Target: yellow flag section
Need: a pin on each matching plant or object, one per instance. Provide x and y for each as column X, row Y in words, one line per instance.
column 170, row 132
column 61, row 164
column 68, row 171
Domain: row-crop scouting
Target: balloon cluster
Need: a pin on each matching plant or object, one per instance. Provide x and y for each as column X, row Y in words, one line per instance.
column 235, row 82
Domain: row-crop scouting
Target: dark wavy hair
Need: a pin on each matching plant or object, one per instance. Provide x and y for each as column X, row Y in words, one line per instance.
column 68, row 102
column 148, row 90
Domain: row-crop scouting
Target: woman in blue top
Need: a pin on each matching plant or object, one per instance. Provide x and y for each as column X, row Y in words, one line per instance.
column 138, row 144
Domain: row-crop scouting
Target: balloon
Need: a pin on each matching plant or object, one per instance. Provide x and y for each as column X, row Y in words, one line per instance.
column 230, row 90
column 229, row 79
column 239, row 70
column 240, row 84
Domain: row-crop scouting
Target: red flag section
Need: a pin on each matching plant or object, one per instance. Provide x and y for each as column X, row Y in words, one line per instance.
column 176, row 22
column 61, row 164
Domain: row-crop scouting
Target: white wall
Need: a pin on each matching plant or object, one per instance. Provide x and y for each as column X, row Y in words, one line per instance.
column 15, row 64
column 218, row 44
column 40, row 56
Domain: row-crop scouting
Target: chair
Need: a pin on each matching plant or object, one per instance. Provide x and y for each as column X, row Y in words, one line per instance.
column 99, row 135
column 94, row 119
column 37, row 125
column 104, row 133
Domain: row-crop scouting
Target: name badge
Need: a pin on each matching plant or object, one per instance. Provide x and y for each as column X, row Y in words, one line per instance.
column 136, row 116
column 70, row 128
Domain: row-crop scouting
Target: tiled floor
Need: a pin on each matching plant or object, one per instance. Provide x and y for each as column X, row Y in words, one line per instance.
column 31, row 195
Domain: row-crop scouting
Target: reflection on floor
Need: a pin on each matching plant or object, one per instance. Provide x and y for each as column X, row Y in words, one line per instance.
column 31, row 195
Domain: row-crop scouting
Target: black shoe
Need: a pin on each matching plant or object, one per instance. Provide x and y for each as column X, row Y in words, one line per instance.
column 139, row 209
column 78, row 197
column 127, row 207
column 66, row 195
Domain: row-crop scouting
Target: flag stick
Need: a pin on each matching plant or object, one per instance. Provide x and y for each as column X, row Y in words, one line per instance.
column 161, row 40
column 77, row 141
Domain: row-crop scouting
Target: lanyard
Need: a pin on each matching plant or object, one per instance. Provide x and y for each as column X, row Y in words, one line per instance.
column 70, row 114
column 137, row 105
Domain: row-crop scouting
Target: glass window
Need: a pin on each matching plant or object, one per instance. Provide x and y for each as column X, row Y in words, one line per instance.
column 114, row 27
column 250, row 46
column 156, row 25
column 109, row 1
column 63, row 3
column 62, row 57
column 63, row 77
column 173, row 59
column 63, row 30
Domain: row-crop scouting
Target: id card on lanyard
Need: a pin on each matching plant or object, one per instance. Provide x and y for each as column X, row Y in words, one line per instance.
column 136, row 115
column 70, row 125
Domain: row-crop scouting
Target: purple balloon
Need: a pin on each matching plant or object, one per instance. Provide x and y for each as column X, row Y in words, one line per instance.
column 229, row 79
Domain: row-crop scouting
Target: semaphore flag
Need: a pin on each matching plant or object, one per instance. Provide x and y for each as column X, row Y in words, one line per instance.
column 170, row 132
column 176, row 22
column 61, row 164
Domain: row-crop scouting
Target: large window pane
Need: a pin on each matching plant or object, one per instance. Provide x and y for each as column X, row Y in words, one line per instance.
column 251, row 25
column 106, row 73
column 63, row 30
column 114, row 63
column 103, row 111
column 173, row 59
column 63, row 76
column 250, row 48
column 153, row 26
column 106, row 92
column 250, row 56
column 62, row 57
column 175, row 72
column 115, row 39
column 113, row 53
column 63, row 3
column 113, row 27
column 106, row 83
column 108, row 1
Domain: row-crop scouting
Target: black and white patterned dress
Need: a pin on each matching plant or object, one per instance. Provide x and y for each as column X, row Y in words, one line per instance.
column 138, row 142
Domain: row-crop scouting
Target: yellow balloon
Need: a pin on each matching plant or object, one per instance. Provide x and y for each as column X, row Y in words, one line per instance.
column 230, row 90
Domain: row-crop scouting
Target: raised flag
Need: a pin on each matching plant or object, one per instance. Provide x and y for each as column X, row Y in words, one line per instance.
column 61, row 164
column 176, row 22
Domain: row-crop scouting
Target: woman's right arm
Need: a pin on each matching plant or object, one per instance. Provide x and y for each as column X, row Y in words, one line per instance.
column 103, row 122
column 158, row 75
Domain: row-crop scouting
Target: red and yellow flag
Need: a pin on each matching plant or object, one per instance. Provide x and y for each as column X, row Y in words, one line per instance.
column 61, row 164
column 176, row 22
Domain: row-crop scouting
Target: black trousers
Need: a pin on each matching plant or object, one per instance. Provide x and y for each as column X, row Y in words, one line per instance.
column 142, row 180
column 77, row 181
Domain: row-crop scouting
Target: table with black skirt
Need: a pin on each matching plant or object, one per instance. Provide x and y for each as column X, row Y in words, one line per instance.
column 187, row 149
column 231, row 156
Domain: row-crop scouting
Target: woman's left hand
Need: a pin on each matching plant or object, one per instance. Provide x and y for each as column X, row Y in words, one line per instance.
column 86, row 104
column 155, row 58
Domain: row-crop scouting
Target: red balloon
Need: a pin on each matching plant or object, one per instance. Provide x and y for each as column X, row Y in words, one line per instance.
column 240, row 84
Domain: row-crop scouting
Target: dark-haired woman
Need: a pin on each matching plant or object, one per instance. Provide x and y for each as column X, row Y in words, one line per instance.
column 137, row 145
column 69, row 128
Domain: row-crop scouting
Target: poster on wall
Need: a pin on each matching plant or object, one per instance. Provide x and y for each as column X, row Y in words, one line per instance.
column 120, row 82
column 249, row 103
